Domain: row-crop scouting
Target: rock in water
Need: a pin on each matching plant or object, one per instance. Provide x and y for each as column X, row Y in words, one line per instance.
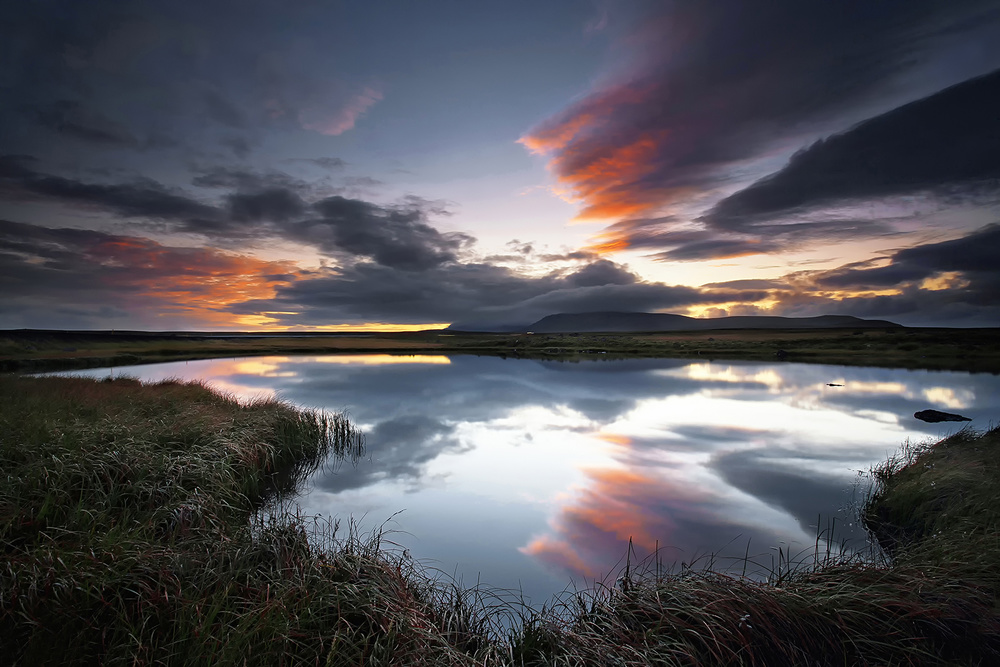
column 935, row 416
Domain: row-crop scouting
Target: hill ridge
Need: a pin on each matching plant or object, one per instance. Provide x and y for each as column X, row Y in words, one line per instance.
column 635, row 321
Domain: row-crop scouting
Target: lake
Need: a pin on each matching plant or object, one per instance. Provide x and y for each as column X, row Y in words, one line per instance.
column 532, row 476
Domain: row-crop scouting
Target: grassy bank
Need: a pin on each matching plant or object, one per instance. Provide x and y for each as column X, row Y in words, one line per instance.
column 931, row 600
column 975, row 350
column 128, row 536
column 939, row 504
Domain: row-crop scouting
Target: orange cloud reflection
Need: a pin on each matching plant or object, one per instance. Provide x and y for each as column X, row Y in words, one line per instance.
column 383, row 359
column 594, row 529
column 615, row 439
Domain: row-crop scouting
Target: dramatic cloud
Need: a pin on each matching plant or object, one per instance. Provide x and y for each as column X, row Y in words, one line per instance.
column 268, row 205
column 390, row 263
column 142, row 198
column 306, row 131
column 273, row 204
column 88, row 279
column 393, row 237
column 601, row 272
column 945, row 276
column 472, row 295
column 948, row 142
column 951, row 281
column 723, row 86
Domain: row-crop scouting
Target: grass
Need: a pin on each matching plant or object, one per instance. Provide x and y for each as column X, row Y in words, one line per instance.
column 938, row 503
column 931, row 600
column 974, row 350
column 131, row 533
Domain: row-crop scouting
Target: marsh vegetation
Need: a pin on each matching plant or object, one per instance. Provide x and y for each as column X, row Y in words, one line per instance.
column 130, row 535
column 972, row 350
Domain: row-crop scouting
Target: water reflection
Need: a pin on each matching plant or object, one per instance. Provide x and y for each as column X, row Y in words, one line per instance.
column 526, row 474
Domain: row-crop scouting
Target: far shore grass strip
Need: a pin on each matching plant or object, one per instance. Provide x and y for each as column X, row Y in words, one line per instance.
column 131, row 533
column 973, row 350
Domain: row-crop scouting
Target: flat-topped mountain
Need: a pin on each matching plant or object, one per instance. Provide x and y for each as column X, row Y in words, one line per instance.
column 619, row 321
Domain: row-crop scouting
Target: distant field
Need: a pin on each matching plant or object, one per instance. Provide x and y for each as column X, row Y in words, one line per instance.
column 976, row 350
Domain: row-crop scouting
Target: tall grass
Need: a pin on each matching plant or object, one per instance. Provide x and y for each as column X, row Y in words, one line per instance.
column 933, row 601
column 938, row 503
column 127, row 536
column 131, row 534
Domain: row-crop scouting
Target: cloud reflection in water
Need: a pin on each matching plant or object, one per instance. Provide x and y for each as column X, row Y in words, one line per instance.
column 532, row 472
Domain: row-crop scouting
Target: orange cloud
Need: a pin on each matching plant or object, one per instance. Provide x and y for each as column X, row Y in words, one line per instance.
column 602, row 171
column 197, row 283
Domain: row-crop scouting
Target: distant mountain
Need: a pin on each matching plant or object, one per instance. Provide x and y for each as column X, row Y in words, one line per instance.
column 614, row 321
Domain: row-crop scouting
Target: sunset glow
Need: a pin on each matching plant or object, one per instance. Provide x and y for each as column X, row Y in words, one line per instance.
column 342, row 169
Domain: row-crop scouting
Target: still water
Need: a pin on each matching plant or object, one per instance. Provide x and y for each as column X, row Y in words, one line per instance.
column 533, row 476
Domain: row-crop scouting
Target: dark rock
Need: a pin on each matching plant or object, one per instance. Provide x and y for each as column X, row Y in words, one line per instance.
column 935, row 416
column 781, row 354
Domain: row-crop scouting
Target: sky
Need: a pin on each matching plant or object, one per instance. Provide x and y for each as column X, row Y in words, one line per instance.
column 315, row 164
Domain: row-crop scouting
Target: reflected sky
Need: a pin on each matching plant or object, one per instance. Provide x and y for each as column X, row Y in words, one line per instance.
column 531, row 475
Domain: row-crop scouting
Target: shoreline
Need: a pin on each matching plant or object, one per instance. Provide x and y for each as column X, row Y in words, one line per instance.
column 128, row 535
column 971, row 350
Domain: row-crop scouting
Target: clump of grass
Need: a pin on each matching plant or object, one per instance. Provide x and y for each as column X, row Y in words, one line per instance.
column 129, row 536
column 853, row 613
column 937, row 503
column 933, row 602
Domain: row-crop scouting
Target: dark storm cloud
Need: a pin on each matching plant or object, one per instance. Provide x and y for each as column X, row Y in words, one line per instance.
column 273, row 204
column 973, row 255
column 396, row 237
column 947, row 142
column 716, row 249
column 601, row 272
column 952, row 282
column 749, row 284
column 142, row 198
column 472, row 294
column 716, row 84
column 36, row 259
column 699, row 244
column 265, row 205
